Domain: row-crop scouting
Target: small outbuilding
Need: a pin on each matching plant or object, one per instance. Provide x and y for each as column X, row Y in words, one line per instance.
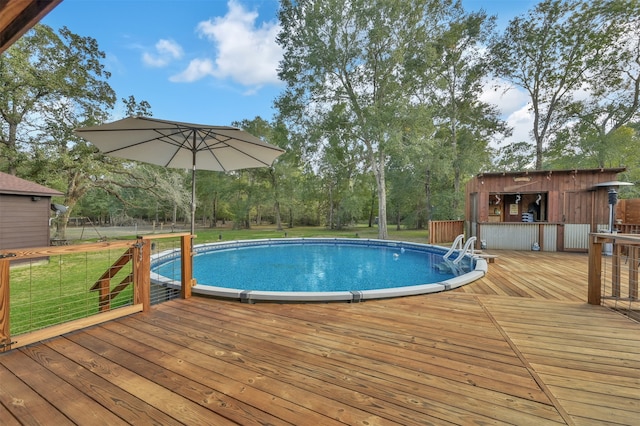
column 550, row 210
column 25, row 209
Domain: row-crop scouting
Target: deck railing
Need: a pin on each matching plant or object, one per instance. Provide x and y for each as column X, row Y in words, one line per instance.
column 48, row 291
column 445, row 231
column 614, row 264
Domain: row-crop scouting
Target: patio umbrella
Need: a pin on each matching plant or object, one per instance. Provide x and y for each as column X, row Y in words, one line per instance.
column 181, row 145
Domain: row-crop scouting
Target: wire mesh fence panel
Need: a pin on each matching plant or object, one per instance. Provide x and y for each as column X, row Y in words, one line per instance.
column 619, row 279
column 161, row 291
column 61, row 288
column 47, row 291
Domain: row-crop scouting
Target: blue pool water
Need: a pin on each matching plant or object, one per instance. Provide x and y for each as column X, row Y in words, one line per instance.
column 314, row 267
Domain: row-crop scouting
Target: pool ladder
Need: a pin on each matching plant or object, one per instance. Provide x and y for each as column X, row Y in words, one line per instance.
column 463, row 250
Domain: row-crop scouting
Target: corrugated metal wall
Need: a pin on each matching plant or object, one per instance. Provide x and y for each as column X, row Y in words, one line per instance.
column 521, row 236
column 550, row 237
column 507, row 236
column 576, row 236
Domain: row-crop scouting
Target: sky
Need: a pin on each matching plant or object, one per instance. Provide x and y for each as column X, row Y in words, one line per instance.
column 215, row 61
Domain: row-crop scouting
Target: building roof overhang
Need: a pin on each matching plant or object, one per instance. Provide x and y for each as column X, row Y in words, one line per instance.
column 553, row 172
column 19, row 16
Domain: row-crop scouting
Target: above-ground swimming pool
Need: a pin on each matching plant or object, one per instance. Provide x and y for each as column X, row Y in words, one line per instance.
column 318, row 269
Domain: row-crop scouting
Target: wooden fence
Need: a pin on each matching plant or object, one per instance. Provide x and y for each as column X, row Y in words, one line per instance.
column 445, row 231
column 137, row 259
column 627, row 228
column 628, row 210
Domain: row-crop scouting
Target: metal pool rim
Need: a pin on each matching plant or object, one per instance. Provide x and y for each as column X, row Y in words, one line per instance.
column 479, row 270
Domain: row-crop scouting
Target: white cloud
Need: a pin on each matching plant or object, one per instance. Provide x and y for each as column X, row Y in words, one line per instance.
column 245, row 53
column 513, row 104
column 197, row 69
column 507, row 97
column 165, row 52
column 169, row 47
column 521, row 121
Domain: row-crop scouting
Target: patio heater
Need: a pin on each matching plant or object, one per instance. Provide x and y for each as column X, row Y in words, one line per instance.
column 613, row 199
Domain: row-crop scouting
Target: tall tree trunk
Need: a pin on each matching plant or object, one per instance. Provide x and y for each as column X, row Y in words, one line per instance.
column 378, row 171
column 214, row 210
column 276, row 208
column 63, row 219
column 454, row 144
column 456, row 186
column 331, row 206
column 427, row 193
column 373, row 202
column 12, row 151
column 537, row 135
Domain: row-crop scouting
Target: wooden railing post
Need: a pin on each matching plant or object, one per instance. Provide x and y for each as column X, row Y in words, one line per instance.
column 595, row 271
column 5, row 334
column 186, row 266
column 142, row 273
column 634, row 264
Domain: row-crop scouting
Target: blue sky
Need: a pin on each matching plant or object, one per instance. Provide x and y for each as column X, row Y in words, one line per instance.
column 212, row 61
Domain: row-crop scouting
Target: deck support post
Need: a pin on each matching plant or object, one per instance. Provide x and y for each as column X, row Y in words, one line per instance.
column 5, row 333
column 142, row 273
column 186, row 257
column 595, row 271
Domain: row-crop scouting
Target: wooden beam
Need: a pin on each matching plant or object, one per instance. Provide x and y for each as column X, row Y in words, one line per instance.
column 19, row 16
column 113, row 270
column 79, row 324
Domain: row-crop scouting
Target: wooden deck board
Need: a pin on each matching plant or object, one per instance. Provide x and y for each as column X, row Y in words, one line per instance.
column 19, row 401
column 60, row 394
column 520, row 346
column 115, row 399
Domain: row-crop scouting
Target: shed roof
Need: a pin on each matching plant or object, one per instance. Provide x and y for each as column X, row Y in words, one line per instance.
column 10, row 184
column 552, row 172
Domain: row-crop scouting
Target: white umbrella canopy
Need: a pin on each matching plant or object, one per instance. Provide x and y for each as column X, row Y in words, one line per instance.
column 181, row 145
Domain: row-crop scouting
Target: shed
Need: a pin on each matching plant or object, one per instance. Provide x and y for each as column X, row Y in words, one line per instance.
column 553, row 210
column 25, row 208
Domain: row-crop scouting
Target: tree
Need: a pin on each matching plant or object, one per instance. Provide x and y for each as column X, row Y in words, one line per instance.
column 599, row 130
column 454, row 83
column 549, row 53
column 49, row 80
column 515, row 156
column 137, row 109
column 54, row 83
column 46, row 76
column 266, row 182
column 357, row 56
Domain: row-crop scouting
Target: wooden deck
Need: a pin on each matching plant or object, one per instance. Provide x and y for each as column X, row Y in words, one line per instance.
column 520, row 346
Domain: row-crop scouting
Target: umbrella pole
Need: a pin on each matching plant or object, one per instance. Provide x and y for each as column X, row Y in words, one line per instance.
column 193, row 193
